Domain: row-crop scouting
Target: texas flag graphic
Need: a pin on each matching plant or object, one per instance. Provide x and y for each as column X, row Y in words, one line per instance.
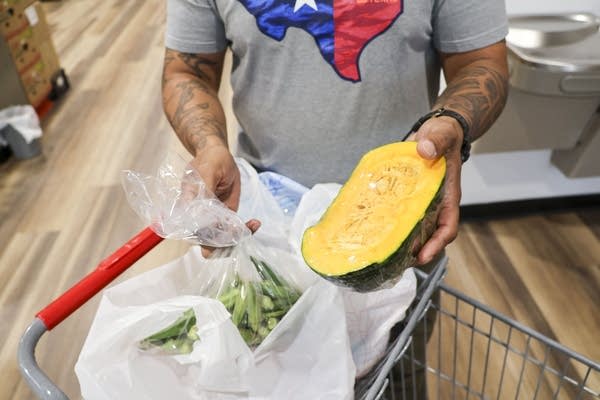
column 341, row 28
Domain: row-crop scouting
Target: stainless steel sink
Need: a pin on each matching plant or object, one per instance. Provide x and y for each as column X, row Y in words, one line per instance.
column 554, row 96
column 539, row 31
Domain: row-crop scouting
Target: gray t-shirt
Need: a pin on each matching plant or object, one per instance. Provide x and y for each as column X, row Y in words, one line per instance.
column 317, row 83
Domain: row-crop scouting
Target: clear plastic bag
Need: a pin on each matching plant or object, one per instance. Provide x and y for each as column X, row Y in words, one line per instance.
column 176, row 204
column 255, row 284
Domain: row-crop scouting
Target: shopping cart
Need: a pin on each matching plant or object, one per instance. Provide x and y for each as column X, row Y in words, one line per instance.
column 472, row 351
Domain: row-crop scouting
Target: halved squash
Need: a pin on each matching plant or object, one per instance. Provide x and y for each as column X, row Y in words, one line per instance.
column 379, row 220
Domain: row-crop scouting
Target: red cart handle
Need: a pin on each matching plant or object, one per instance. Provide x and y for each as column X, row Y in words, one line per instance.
column 107, row 271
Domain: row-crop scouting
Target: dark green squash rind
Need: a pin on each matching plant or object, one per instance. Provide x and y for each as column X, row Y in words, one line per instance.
column 387, row 273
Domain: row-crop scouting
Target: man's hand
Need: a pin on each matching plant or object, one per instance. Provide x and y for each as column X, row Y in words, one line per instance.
column 439, row 137
column 218, row 170
column 189, row 88
column 477, row 89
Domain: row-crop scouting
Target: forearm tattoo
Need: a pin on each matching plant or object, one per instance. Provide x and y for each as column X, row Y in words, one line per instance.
column 191, row 104
column 478, row 93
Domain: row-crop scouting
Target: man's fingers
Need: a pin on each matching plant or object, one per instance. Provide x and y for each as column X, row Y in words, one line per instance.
column 253, row 225
column 442, row 236
column 447, row 222
column 207, row 251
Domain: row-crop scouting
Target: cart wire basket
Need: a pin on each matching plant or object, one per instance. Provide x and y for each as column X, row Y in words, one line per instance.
column 471, row 351
column 474, row 352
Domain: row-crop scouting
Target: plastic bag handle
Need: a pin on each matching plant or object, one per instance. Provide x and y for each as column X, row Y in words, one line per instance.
column 107, row 271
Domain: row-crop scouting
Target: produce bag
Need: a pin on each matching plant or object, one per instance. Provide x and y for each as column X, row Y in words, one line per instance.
column 306, row 355
column 256, row 286
column 176, row 204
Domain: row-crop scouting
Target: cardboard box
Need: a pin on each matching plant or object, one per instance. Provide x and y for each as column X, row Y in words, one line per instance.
column 41, row 35
column 37, row 20
column 37, row 82
column 33, row 41
column 48, row 55
column 12, row 16
column 24, row 49
column 27, row 43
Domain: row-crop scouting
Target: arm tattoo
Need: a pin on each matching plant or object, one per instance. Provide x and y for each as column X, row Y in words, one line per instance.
column 478, row 93
column 169, row 58
column 191, row 102
column 197, row 64
column 193, row 120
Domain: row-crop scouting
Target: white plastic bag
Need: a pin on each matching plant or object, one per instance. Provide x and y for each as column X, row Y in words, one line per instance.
column 329, row 336
column 370, row 316
column 23, row 119
column 111, row 366
column 306, row 356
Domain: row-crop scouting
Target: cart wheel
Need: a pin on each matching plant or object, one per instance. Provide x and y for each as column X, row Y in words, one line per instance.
column 60, row 85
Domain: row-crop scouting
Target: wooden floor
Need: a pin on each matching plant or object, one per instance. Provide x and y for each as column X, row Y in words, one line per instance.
column 63, row 212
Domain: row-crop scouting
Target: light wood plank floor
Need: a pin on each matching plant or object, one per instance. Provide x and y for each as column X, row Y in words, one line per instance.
column 63, row 212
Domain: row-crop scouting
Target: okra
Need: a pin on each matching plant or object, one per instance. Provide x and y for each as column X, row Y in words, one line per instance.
column 275, row 313
column 263, row 332
column 253, row 308
column 177, row 338
column 177, row 346
column 239, row 308
column 257, row 307
column 193, row 333
column 228, row 298
column 178, row 328
column 267, row 303
column 271, row 323
column 247, row 335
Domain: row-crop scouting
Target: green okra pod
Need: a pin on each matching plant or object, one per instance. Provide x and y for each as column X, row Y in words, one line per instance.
column 239, row 308
column 275, row 313
column 176, row 329
column 253, row 308
column 271, row 323
column 228, row 297
column 267, row 303
column 193, row 333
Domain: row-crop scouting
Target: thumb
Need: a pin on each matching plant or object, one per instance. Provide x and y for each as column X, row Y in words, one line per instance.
column 435, row 138
column 427, row 149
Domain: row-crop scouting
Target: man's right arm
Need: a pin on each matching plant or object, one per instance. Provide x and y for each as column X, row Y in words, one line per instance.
column 189, row 91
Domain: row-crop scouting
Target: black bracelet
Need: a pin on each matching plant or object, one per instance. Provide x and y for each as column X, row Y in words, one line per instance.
column 465, row 149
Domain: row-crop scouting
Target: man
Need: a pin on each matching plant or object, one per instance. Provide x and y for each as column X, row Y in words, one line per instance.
column 318, row 83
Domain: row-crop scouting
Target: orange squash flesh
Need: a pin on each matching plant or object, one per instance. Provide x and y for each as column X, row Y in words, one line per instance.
column 376, row 211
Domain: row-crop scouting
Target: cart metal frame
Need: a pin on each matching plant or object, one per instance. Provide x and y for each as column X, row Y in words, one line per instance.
column 465, row 340
column 574, row 376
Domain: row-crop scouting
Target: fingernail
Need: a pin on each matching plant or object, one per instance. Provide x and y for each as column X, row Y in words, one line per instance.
column 428, row 149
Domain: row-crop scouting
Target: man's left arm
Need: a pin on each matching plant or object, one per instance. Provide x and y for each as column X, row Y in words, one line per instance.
column 477, row 87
